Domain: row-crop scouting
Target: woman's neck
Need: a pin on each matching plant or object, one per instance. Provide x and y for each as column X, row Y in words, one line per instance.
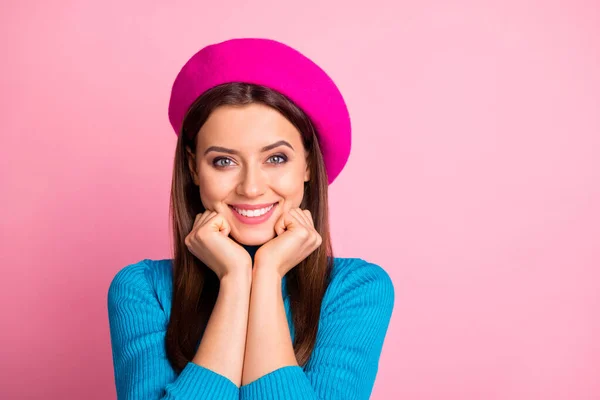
column 251, row 250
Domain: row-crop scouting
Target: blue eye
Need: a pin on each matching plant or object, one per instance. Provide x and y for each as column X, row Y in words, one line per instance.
column 224, row 162
column 217, row 162
column 281, row 157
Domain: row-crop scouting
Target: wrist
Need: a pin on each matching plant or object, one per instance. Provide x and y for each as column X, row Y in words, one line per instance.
column 266, row 272
column 238, row 280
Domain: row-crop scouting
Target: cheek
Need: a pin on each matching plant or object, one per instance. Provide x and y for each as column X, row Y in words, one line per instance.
column 212, row 190
column 290, row 187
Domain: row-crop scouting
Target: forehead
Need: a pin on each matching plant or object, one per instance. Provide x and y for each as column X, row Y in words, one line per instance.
column 250, row 126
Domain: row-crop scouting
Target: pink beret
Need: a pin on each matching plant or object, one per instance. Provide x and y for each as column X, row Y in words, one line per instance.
column 280, row 67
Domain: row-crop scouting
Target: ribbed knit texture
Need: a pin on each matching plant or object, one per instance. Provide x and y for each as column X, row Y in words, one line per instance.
column 355, row 316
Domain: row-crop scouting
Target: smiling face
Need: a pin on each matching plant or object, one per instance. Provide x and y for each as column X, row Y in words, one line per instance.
column 247, row 157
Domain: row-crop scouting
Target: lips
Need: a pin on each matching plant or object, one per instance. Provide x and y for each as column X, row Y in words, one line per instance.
column 251, row 219
column 249, row 207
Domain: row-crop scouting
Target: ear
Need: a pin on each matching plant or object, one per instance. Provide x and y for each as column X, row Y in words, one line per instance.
column 192, row 164
column 307, row 174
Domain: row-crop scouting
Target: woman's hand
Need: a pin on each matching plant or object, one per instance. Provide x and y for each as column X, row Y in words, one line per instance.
column 209, row 241
column 296, row 239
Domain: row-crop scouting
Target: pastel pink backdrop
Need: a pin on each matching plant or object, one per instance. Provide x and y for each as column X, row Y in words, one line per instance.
column 474, row 180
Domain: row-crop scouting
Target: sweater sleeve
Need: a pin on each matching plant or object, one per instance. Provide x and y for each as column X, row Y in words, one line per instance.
column 138, row 328
column 350, row 338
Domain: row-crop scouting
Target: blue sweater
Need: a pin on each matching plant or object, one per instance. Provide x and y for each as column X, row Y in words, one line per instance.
column 355, row 316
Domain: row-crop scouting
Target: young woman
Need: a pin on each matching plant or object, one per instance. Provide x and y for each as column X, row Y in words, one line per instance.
column 253, row 304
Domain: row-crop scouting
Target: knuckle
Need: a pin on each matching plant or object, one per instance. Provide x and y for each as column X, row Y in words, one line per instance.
column 316, row 237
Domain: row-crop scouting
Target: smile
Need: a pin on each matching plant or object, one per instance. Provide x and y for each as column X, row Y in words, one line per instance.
column 253, row 213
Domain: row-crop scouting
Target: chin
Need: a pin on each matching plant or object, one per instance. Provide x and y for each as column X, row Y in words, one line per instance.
column 256, row 238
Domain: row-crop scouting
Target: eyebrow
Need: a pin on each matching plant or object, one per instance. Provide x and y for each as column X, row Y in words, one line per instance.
column 231, row 151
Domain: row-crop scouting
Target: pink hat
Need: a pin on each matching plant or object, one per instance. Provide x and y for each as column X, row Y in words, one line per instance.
column 279, row 67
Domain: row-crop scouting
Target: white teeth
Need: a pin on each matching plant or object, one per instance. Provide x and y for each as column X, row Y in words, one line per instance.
column 253, row 213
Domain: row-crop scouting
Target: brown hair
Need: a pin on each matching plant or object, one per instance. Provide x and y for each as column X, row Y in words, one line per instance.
column 195, row 286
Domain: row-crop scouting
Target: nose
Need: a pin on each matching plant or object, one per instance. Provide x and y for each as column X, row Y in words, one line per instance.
column 252, row 182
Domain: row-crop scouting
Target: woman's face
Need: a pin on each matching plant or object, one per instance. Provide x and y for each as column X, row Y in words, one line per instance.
column 249, row 156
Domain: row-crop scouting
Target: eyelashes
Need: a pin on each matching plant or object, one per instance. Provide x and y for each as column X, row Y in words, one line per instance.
column 282, row 157
column 224, row 162
column 216, row 162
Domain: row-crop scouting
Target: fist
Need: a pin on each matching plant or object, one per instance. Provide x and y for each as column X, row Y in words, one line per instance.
column 296, row 239
column 209, row 241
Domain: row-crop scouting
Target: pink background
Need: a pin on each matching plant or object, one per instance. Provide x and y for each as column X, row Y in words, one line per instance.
column 474, row 180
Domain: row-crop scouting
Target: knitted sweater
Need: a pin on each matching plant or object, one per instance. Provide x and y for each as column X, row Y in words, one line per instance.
column 355, row 314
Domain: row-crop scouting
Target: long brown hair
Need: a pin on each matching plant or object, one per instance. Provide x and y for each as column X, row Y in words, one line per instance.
column 195, row 286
